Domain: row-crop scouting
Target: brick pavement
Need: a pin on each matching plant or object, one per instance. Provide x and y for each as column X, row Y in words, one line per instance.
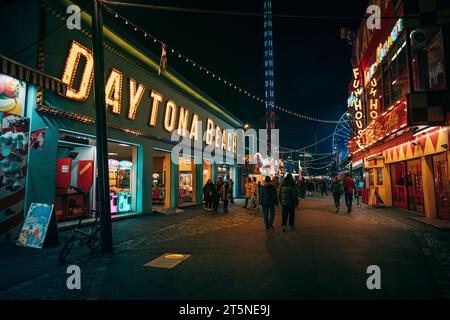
column 435, row 246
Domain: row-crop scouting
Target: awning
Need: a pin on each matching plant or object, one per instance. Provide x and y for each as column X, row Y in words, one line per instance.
column 24, row 73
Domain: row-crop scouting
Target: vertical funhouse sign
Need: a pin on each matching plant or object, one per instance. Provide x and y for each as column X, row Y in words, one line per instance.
column 357, row 105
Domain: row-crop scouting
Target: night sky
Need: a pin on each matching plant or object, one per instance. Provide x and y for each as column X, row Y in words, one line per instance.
column 312, row 62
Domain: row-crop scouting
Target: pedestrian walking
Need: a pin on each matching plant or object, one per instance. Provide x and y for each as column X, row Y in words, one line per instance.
column 288, row 197
column 323, row 187
column 216, row 196
column 337, row 189
column 268, row 199
column 225, row 194
column 255, row 189
column 208, row 190
column 248, row 192
column 231, row 183
column 349, row 187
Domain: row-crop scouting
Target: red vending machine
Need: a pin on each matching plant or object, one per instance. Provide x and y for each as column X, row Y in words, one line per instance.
column 73, row 202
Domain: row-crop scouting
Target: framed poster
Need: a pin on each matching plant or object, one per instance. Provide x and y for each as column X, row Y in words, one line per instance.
column 36, row 224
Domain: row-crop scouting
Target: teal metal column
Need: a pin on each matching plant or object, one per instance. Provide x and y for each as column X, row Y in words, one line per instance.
column 199, row 182
column 174, row 184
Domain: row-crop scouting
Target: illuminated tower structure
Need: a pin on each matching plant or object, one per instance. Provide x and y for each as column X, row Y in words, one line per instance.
column 268, row 66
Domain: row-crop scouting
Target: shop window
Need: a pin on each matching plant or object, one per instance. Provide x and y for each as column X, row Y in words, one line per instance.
column 207, row 171
column 386, row 87
column 122, row 176
column 442, row 186
column 398, row 74
column 428, row 59
column 186, row 185
column 161, row 179
column 74, row 194
column 379, row 173
column 75, row 176
column 415, row 190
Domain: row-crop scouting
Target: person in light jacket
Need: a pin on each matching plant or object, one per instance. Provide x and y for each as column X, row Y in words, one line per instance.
column 248, row 192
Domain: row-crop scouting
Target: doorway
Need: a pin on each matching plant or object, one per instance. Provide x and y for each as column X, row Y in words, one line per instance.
column 399, row 192
column 442, row 186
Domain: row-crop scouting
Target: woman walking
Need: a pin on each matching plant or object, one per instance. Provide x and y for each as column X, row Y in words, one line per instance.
column 208, row 190
column 288, row 196
column 337, row 189
column 216, row 196
column 248, row 192
column 225, row 193
column 255, row 193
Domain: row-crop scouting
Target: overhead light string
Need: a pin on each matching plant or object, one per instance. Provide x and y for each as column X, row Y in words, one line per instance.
column 210, row 73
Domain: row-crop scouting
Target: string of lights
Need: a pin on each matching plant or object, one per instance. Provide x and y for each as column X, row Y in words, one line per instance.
column 311, row 145
column 258, row 14
column 320, row 168
column 208, row 72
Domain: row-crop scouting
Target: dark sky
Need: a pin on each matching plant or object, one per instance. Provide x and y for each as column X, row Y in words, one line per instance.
column 312, row 62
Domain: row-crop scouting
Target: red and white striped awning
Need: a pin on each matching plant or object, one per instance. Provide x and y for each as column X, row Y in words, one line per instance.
column 24, row 73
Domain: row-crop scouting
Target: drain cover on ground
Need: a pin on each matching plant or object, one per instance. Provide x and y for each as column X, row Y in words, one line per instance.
column 167, row 260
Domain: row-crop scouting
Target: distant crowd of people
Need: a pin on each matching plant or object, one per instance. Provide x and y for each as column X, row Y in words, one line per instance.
column 272, row 193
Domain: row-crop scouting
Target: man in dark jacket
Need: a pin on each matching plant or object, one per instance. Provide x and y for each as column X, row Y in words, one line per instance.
column 288, row 196
column 268, row 199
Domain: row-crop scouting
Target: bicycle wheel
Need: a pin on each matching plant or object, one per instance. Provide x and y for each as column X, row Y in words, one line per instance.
column 94, row 242
column 67, row 247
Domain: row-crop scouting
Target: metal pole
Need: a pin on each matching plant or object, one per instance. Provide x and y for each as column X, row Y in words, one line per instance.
column 100, row 123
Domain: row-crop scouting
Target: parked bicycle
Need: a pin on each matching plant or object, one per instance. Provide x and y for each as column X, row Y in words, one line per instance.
column 82, row 237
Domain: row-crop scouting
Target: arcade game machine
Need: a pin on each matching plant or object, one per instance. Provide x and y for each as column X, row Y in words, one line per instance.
column 119, row 178
column 113, row 166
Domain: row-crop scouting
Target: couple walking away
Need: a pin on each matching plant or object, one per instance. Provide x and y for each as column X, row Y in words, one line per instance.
column 347, row 188
column 287, row 196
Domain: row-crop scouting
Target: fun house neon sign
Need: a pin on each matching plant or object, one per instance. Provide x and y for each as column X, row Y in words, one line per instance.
column 357, row 105
column 175, row 117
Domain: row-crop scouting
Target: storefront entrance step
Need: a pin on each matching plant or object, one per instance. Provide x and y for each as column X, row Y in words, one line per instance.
column 437, row 223
column 167, row 210
column 189, row 205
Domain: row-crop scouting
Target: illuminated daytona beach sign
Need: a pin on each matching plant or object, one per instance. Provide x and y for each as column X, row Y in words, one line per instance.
column 175, row 117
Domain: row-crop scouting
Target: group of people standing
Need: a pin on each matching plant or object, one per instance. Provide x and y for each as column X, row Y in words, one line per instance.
column 213, row 193
column 345, row 187
column 272, row 194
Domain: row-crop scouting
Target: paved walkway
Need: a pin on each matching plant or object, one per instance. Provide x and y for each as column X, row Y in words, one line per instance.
column 234, row 257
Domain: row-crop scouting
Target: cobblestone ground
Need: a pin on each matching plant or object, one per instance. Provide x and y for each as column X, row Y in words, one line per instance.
column 206, row 222
column 52, row 285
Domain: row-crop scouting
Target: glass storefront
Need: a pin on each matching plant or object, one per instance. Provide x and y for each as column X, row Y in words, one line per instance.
column 186, row 185
column 75, row 176
column 428, row 59
column 399, row 195
column 442, row 185
column 407, row 186
column 207, row 171
column 415, row 189
column 122, row 172
column 161, row 179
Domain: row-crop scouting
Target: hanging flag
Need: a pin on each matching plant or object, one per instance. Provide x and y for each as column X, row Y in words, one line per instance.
column 163, row 62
